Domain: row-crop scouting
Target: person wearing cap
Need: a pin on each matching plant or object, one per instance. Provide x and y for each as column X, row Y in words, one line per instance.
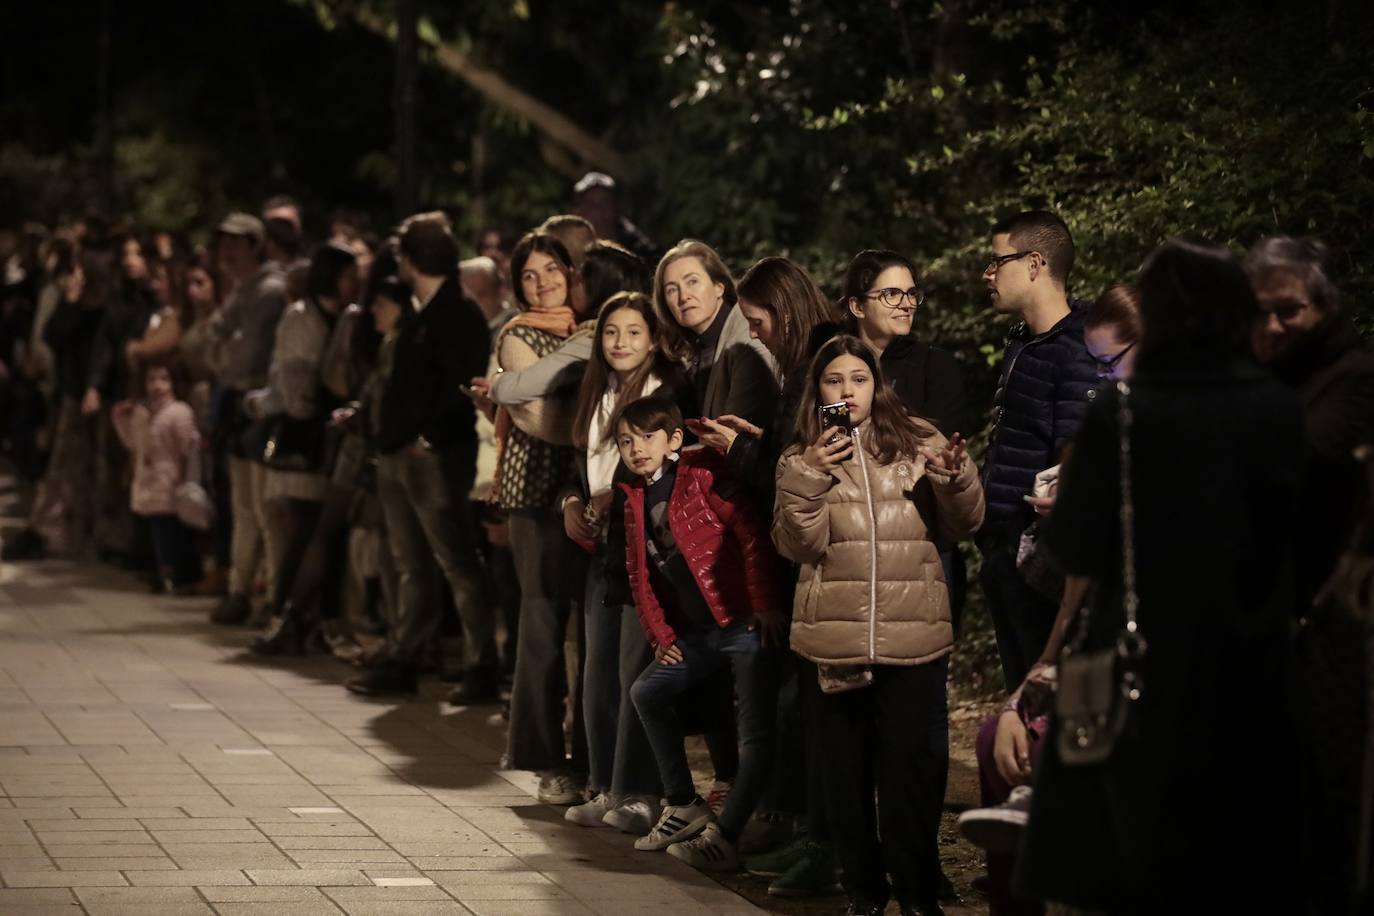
column 595, row 200
column 242, row 334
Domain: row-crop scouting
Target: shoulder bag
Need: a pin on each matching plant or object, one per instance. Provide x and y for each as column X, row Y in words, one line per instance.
column 1097, row 689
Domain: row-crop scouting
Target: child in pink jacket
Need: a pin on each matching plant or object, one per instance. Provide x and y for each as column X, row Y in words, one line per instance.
column 161, row 433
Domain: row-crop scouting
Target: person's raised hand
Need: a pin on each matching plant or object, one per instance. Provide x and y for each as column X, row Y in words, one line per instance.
column 1011, row 748
column 712, row 433
column 740, row 425
column 831, row 449
column 949, row 459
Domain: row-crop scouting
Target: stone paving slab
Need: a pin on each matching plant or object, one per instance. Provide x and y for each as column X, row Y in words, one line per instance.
column 149, row 765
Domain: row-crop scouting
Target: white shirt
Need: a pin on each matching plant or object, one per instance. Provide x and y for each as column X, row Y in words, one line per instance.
column 603, row 456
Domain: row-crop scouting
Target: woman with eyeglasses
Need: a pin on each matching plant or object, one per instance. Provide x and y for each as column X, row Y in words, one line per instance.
column 881, row 298
column 1112, row 329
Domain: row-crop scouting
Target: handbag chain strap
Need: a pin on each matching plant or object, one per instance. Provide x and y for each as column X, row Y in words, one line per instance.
column 1130, row 645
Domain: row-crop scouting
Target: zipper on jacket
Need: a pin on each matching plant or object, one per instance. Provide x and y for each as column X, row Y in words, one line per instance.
column 872, row 554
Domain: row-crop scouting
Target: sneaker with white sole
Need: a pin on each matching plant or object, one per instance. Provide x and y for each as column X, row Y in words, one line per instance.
column 561, row 789
column 999, row 828
column 677, row 823
column 635, row 814
column 591, row 813
column 707, row 851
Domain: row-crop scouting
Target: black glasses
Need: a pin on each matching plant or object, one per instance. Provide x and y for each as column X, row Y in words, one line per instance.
column 1109, row 363
column 895, row 298
column 997, row 260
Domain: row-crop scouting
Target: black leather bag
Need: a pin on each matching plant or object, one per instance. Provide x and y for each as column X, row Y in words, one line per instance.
column 1097, row 689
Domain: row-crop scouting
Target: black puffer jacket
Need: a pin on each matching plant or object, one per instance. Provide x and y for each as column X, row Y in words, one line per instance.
column 1047, row 383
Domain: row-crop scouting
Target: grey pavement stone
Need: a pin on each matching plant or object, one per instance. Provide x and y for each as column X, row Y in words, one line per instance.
column 128, row 895
column 317, row 877
column 156, row 769
column 188, row 877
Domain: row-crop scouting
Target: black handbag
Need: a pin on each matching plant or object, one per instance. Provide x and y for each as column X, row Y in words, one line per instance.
column 1097, row 689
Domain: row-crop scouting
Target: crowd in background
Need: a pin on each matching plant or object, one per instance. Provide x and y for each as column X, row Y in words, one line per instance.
column 743, row 501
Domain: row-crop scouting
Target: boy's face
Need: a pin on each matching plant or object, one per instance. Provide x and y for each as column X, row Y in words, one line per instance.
column 644, row 453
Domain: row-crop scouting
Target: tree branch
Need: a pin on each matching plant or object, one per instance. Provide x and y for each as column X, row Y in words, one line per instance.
column 492, row 86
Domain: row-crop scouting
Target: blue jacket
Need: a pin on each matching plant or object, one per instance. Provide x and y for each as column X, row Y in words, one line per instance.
column 1047, row 383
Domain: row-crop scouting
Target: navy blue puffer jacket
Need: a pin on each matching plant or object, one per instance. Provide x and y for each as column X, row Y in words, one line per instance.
column 1047, row 383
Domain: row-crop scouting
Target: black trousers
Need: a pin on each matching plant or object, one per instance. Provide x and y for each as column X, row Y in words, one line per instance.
column 1021, row 617
column 879, row 739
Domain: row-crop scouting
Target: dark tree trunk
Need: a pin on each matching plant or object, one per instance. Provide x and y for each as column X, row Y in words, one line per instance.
column 407, row 48
column 105, row 127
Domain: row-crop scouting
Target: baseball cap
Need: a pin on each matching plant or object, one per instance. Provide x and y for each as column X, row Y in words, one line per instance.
column 594, row 180
column 245, row 224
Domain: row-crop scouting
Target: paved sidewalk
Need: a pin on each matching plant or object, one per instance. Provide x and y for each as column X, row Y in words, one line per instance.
column 149, row 765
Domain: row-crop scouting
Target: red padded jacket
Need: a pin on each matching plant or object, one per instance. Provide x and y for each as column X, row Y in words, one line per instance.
column 725, row 543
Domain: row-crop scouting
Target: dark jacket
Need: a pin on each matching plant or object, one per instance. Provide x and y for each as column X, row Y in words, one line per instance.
column 1215, row 469
column 125, row 319
column 755, row 461
column 726, row 545
column 1334, row 377
column 929, row 382
column 71, row 333
column 438, row 349
column 1047, row 383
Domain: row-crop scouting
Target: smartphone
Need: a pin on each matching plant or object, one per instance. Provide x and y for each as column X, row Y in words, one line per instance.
column 466, row 389
column 835, row 416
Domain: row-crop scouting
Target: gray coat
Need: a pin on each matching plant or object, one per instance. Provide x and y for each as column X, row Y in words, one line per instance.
column 243, row 328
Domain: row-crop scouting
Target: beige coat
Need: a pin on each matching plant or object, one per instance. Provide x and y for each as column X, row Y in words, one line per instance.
column 872, row 590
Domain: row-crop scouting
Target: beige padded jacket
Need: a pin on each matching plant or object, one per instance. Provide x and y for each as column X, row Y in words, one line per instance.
column 871, row 589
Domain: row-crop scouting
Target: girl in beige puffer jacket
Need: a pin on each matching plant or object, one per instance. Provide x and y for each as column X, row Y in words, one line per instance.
column 861, row 513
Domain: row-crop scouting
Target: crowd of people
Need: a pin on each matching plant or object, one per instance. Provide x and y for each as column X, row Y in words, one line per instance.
column 742, row 501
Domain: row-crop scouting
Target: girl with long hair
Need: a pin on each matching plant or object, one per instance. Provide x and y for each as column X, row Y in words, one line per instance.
column 628, row 363
column 861, row 501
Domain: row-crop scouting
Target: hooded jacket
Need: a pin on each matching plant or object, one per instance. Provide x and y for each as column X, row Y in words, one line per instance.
column 871, row 589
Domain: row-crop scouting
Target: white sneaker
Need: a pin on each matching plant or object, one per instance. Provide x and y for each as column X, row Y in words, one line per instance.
column 707, row 851
column 677, row 823
column 636, row 814
column 591, row 813
column 998, row 829
column 561, row 789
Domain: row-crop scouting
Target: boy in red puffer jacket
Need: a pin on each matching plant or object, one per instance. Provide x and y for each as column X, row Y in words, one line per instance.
column 705, row 582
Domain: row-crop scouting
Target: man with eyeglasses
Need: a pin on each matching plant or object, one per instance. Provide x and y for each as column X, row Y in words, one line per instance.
column 1048, row 379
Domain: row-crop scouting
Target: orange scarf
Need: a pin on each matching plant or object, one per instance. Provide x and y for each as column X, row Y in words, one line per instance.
column 560, row 322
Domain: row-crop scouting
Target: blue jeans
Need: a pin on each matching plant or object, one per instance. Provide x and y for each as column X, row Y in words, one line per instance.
column 619, row 758
column 656, row 693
